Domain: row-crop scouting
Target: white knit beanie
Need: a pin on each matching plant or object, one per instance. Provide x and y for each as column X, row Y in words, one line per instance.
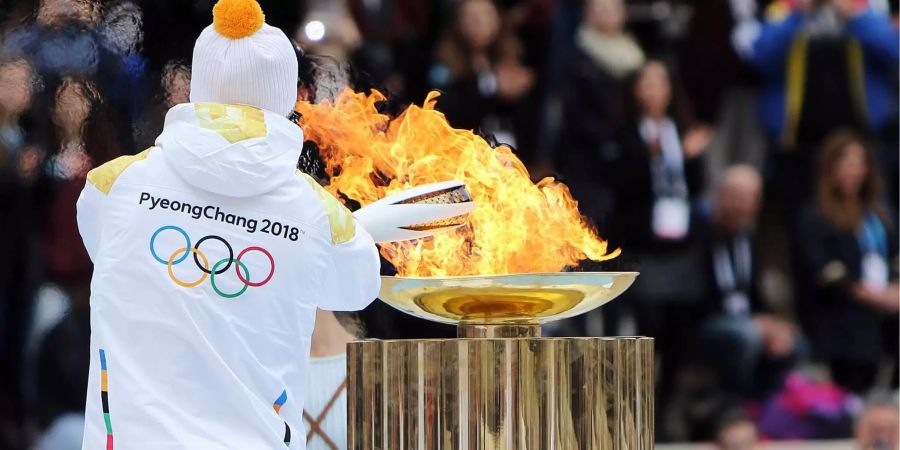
column 240, row 59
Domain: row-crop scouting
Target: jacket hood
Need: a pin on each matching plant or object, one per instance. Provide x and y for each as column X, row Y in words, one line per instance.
column 231, row 150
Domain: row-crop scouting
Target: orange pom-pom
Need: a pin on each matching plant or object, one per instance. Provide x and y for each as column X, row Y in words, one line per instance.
column 237, row 19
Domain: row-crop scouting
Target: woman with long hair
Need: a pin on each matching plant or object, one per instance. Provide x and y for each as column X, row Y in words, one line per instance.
column 478, row 66
column 657, row 168
column 849, row 257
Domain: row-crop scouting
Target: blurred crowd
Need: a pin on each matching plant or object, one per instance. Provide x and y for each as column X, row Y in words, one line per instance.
column 742, row 153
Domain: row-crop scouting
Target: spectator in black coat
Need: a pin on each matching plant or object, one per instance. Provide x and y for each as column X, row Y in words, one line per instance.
column 604, row 57
column 849, row 256
column 748, row 348
column 656, row 166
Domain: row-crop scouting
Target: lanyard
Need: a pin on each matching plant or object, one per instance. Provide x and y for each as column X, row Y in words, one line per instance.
column 872, row 237
column 668, row 167
column 733, row 274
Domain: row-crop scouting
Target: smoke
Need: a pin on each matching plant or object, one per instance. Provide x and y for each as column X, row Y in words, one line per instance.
column 330, row 79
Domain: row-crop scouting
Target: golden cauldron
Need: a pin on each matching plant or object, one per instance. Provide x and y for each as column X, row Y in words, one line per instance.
column 500, row 385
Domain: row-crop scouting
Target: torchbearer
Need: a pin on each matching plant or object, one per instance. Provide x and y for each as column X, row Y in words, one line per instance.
column 211, row 254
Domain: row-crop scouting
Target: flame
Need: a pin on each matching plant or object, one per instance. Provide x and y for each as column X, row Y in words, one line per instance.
column 517, row 226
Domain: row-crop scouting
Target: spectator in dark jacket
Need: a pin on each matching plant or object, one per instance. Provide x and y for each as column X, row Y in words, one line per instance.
column 656, row 166
column 849, row 254
column 604, row 57
column 748, row 347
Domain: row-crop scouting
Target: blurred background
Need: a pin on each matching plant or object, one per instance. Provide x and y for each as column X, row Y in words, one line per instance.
column 742, row 153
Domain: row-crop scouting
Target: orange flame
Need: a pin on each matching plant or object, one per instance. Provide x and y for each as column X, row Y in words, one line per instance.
column 517, row 226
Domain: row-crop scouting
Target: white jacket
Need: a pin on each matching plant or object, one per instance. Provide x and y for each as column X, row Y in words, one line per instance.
column 211, row 254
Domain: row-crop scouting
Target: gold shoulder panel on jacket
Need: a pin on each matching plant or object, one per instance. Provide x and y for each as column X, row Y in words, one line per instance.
column 105, row 176
column 235, row 123
column 343, row 227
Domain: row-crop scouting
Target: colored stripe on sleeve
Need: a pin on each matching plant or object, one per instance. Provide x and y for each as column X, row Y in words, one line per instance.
column 279, row 402
column 104, row 398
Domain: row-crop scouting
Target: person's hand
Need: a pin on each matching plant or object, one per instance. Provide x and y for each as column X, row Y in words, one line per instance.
column 865, row 295
column 513, row 80
column 28, row 163
column 887, row 300
column 696, row 141
column 778, row 335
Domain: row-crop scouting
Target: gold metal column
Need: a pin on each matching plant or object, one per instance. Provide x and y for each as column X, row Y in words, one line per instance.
column 501, row 386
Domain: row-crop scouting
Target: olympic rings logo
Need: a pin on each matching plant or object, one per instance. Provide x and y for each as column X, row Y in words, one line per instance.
column 202, row 263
